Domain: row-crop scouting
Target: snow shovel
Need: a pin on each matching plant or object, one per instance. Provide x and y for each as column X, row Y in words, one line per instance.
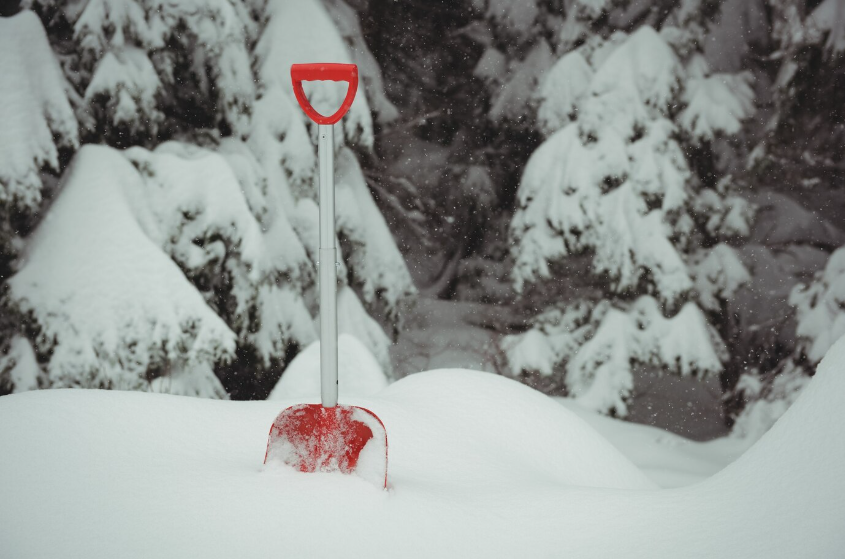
column 328, row 437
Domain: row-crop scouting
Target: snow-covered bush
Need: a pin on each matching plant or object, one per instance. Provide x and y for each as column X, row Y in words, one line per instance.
column 820, row 312
column 613, row 181
column 186, row 265
column 112, row 310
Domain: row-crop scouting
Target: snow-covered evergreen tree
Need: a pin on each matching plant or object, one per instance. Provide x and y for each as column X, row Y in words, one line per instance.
column 613, row 181
column 186, row 264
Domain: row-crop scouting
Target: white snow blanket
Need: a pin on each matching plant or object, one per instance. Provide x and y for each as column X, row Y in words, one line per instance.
column 480, row 466
column 358, row 372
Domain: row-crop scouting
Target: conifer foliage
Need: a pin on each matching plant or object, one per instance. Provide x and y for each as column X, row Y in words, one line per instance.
column 613, row 180
column 180, row 256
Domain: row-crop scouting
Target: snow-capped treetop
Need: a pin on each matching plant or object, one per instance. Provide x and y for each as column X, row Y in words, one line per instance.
column 644, row 67
column 233, row 222
column 195, row 208
column 590, row 185
column 36, row 116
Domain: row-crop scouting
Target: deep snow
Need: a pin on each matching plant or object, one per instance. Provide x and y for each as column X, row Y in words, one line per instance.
column 480, row 466
column 358, row 372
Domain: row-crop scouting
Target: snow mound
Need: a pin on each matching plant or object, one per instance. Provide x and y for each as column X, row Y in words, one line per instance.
column 480, row 466
column 359, row 374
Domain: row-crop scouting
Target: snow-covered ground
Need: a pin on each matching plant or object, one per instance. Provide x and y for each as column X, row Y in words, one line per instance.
column 480, row 466
column 669, row 460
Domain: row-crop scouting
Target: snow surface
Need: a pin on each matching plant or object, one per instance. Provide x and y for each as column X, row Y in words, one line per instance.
column 669, row 460
column 358, row 373
column 480, row 466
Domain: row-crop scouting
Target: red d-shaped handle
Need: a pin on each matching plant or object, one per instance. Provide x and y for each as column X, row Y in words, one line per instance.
column 331, row 72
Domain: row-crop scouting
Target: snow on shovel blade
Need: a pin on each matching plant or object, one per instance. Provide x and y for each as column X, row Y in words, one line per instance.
column 348, row 439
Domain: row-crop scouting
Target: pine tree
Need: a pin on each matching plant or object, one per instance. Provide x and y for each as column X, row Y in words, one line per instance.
column 614, row 181
column 185, row 263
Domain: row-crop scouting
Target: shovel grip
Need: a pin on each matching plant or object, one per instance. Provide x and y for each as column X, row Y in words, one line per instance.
column 324, row 71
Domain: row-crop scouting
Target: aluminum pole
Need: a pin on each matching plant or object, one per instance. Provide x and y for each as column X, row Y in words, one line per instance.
column 327, row 270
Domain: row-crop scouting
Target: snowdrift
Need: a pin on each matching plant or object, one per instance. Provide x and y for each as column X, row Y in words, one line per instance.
column 480, row 466
column 358, row 372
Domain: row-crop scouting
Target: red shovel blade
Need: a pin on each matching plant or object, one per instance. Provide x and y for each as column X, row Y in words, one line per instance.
column 312, row 438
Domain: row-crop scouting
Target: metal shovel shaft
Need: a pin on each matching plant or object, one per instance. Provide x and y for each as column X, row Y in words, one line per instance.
column 327, row 270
